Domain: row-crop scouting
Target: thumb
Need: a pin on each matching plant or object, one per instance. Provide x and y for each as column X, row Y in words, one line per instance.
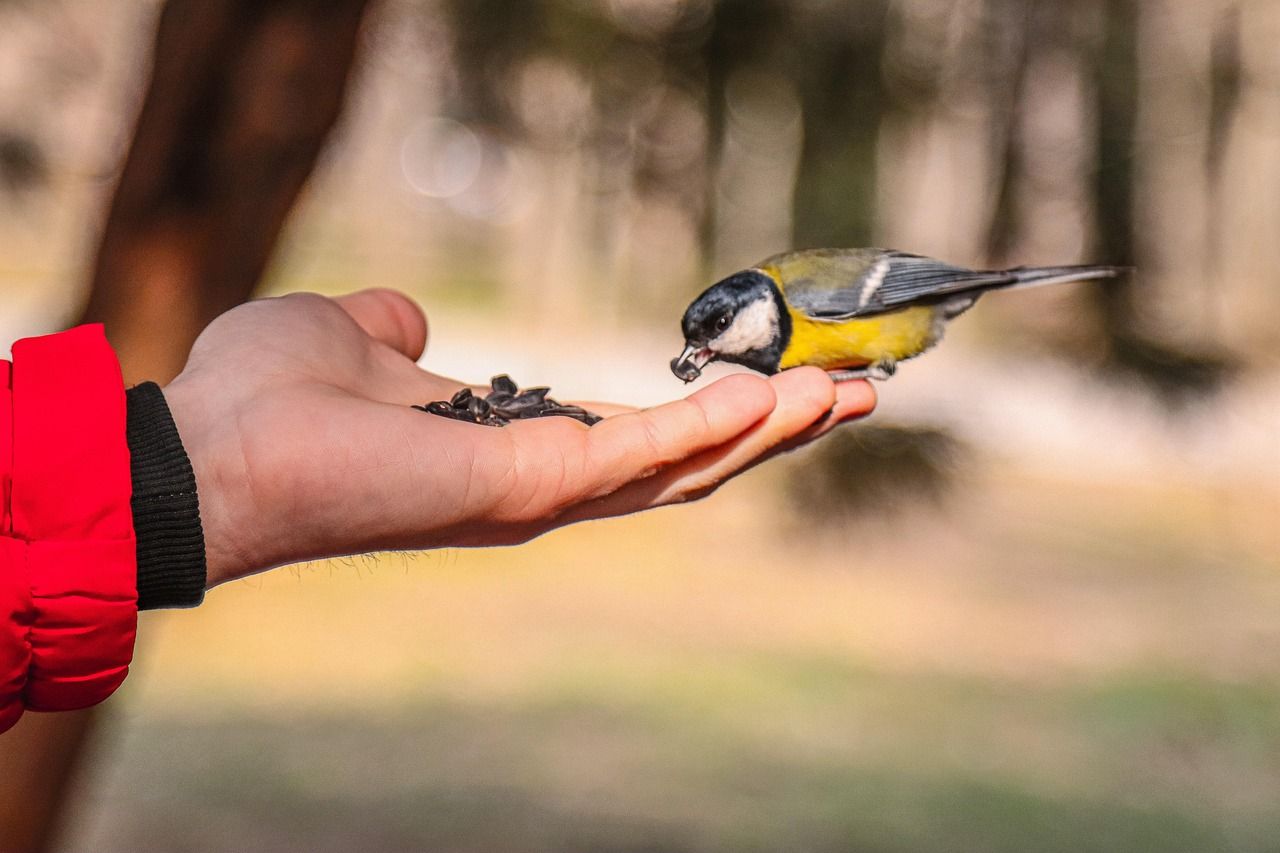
column 388, row 316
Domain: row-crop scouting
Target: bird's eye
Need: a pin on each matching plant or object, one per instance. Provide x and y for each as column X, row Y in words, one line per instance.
column 722, row 323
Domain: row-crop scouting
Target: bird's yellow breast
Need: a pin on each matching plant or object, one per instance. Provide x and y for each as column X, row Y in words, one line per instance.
column 832, row 344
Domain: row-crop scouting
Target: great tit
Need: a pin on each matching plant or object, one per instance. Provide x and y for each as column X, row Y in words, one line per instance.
column 855, row 313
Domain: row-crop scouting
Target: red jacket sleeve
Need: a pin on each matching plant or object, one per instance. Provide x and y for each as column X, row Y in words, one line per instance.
column 68, row 597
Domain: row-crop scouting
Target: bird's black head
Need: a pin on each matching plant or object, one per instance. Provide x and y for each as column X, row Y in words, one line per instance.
column 741, row 319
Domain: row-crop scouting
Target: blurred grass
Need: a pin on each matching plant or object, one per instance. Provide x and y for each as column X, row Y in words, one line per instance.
column 586, row 772
column 1094, row 669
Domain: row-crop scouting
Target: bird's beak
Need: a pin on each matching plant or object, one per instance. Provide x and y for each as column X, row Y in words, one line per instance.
column 688, row 365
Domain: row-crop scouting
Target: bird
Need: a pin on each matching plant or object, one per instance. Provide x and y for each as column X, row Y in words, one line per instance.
column 855, row 313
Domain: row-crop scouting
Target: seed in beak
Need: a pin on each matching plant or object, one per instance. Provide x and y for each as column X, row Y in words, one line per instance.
column 688, row 365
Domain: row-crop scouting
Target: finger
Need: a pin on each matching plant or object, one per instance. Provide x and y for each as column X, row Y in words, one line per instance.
column 803, row 395
column 854, row 399
column 605, row 410
column 390, row 317
column 807, row 401
column 631, row 446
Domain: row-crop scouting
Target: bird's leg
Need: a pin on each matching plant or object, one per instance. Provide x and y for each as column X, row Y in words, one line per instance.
column 850, row 374
column 881, row 370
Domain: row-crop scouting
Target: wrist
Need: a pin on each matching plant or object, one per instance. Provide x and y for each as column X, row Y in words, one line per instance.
column 202, row 434
column 166, row 511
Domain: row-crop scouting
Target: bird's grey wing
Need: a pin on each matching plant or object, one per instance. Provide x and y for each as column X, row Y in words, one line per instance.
column 891, row 281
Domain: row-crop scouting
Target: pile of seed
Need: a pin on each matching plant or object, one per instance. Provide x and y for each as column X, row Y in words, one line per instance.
column 503, row 404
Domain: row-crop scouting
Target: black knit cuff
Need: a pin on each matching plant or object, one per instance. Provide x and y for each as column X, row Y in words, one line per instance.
column 166, row 512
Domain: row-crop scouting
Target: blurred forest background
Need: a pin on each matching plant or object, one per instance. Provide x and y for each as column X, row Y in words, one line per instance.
column 1033, row 603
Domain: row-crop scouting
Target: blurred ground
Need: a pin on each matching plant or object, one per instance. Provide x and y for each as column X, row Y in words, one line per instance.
column 1053, row 663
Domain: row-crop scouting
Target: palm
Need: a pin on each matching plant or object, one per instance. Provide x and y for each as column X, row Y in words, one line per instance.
column 296, row 414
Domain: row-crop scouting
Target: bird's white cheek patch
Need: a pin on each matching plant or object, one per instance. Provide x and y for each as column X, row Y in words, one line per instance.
column 755, row 327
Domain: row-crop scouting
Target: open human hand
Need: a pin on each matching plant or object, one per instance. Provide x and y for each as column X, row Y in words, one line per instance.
column 295, row 412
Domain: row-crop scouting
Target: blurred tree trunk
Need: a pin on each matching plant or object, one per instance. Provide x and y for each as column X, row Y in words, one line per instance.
column 843, row 101
column 243, row 94
column 1009, row 109
column 1173, row 372
column 1227, row 80
column 1117, row 93
column 35, row 766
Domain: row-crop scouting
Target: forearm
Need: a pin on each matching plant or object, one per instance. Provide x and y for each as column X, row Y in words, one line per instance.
column 68, row 571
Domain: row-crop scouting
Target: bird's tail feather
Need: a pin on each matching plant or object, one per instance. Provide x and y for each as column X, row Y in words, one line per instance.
column 1036, row 276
